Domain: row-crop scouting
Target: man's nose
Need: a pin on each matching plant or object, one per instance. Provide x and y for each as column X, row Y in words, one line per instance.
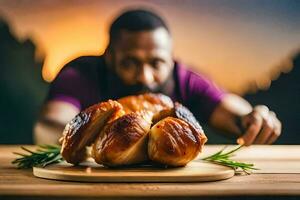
column 145, row 75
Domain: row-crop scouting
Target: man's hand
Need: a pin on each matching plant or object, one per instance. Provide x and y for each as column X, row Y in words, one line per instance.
column 261, row 127
column 256, row 125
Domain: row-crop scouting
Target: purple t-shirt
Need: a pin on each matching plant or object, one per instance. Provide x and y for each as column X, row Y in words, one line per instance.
column 87, row 80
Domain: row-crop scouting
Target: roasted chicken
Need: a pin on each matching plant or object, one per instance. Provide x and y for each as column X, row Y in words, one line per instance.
column 84, row 128
column 133, row 130
column 123, row 142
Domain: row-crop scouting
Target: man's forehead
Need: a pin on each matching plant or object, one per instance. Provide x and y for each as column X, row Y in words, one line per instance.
column 144, row 40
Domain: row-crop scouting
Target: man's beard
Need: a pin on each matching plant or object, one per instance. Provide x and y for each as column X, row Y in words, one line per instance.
column 165, row 88
column 141, row 88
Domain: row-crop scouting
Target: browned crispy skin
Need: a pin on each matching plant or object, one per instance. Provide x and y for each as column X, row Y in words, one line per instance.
column 149, row 101
column 84, row 128
column 120, row 132
column 182, row 112
column 123, row 142
column 179, row 111
column 174, row 142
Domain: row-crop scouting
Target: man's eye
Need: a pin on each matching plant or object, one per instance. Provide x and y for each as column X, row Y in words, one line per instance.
column 129, row 64
column 156, row 63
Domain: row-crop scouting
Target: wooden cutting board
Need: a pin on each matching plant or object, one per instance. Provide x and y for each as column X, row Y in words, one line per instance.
column 196, row 171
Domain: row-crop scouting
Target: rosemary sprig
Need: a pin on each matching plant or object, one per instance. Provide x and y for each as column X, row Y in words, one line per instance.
column 225, row 158
column 50, row 154
column 43, row 156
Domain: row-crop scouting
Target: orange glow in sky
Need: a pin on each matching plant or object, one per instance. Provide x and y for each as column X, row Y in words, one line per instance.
column 230, row 47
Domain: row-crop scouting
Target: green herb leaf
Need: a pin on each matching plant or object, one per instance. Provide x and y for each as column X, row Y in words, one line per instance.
column 43, row 156
column 225, row 159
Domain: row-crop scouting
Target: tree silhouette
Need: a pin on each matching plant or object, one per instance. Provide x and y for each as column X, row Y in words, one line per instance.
column 21, row 87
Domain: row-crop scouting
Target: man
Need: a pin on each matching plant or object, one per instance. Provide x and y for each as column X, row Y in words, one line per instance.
column 139, row 59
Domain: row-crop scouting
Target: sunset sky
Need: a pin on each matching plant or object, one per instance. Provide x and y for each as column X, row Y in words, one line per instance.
column 234, row 42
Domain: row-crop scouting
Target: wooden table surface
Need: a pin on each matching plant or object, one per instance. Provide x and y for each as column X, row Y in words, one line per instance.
column 279, row 176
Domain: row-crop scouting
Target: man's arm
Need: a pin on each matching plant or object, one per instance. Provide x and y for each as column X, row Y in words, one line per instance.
column 53, row 118
column 234, row 115
column 67, row 95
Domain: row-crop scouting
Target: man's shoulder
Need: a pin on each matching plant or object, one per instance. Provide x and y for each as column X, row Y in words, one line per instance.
column 86, row 63
column 190, row 80
column 87, row 66
column 185, row 73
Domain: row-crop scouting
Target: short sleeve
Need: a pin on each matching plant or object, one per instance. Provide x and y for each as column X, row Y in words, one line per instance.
column 205, row 95
column 69, row 86
column 200, row 93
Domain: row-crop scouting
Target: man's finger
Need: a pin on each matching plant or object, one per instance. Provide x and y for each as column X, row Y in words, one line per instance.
column 262, row 110
column 277, row 129
column 252, row 131
column 266, row 131
column 272, row 138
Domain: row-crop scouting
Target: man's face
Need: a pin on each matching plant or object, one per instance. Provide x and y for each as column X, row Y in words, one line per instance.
column 143, row 60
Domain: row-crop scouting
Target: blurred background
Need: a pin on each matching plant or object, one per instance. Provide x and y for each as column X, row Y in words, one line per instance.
column 249, row 47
